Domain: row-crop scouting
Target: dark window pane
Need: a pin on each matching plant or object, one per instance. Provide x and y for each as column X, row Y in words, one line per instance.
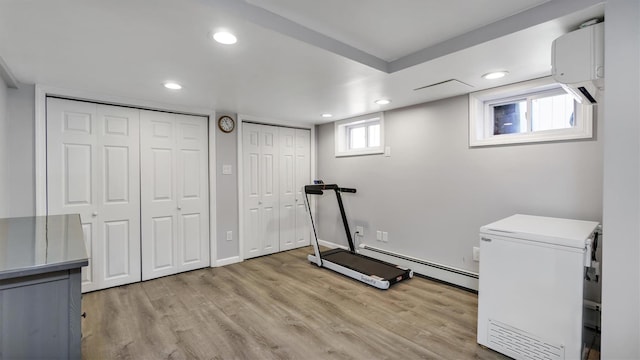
column 509, row 118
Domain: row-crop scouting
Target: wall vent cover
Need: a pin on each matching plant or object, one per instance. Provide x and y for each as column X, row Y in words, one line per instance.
column 521, row 345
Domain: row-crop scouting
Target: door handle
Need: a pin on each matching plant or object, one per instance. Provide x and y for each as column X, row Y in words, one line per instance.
column 179, row 207
column 94, row 214
column 259, row 202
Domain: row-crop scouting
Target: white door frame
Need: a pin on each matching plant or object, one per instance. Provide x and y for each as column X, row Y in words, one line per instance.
column 266, row 121
column 41, row 93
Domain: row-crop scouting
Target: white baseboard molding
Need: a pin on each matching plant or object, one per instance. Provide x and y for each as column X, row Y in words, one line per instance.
column 228, row 261
column 459, row 277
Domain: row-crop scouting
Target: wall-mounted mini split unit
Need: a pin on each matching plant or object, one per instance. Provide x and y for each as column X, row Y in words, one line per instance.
column 577, row 61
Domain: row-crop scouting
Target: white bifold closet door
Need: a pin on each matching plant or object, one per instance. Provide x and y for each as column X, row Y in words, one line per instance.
column 302, row 178
column 93, row 170
column 294, row 174
column 261, row 185
column 174, row 195
column 276, row 164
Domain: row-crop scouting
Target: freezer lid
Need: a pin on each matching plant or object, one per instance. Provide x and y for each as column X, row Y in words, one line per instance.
column 565, row 232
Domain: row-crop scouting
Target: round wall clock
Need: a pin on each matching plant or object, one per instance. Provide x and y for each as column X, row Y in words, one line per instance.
column 226, row 124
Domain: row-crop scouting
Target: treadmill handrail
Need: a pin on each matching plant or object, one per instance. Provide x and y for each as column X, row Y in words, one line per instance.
column 318, row 189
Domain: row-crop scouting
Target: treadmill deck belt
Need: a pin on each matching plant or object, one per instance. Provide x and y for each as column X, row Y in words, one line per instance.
column 363, row 264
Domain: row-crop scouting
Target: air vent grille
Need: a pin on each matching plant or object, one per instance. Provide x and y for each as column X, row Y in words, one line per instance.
column 454, row 82
column 520, row 344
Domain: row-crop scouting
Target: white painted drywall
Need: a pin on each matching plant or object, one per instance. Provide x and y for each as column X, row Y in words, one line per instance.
column 434, row 192
column 227, row 191
column 4, row 151
column 621, row 202
column 21, row 142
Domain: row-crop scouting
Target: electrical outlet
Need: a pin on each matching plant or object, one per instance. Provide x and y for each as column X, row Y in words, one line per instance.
column 379, row 235
column 385, row 236
column 476, row 253
column 229, row 235
column 360, row 230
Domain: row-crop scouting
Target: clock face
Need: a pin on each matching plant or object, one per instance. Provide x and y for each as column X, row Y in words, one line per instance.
column 226, row 124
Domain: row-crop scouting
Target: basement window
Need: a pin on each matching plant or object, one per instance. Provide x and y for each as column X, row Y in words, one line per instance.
column 362, row 135
column 531, row 111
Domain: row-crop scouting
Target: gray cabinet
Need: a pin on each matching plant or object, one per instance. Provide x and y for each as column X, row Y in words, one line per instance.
column 40, row 299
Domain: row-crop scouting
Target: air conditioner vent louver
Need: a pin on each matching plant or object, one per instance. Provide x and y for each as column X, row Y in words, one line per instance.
column 521, row 345
column 453, row 82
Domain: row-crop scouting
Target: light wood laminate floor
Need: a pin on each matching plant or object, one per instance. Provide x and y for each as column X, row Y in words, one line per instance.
column 280, row 307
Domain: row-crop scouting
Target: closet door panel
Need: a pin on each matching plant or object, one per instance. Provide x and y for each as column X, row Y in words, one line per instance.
column 159, row 203
column 92, row 169
column 161, row 243
column 72, row 173
column 86, row 276
column 119, row 194
column 269, row 190
column 302, row 178
column 192, row 192
column 252, row 178
column 116, row 257
column 175, row 193
column 287, row 189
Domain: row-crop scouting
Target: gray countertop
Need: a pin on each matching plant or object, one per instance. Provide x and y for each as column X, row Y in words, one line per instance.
column 40, row 244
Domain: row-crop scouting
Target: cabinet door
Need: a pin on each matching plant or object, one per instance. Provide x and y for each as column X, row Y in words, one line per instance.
column 261, row 190
column 302, row 178
column 35, row 317
column 92, row 170
column 175, row 200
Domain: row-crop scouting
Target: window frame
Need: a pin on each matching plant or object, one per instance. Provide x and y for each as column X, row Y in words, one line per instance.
column 342, row 129
column 481, row 105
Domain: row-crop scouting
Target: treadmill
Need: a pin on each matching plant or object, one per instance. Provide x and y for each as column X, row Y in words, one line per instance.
column 374, row 272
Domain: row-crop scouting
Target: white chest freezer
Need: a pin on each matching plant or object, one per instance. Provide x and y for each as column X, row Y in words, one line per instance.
column 530, row 297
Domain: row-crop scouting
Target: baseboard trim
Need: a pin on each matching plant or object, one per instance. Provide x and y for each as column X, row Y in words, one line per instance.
column 228, row 261
column 458, row 277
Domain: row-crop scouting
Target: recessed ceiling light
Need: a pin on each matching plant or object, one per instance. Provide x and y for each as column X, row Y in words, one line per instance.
column 326, row 115
column 224, row 37
column 172, row 85
column 383, row 101
column 495, row 75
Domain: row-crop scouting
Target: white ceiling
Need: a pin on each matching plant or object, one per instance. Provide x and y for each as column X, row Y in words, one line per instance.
column 294, row 60
column 392, row 29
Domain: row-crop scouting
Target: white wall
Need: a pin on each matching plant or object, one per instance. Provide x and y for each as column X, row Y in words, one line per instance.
column 434, row 192
column 21, row 142
column 227, row 192
column 4, row 151
column 17, row 164
column 621, row 212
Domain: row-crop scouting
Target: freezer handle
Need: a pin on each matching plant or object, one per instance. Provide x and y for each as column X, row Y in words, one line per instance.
column 485, row 239
column 587, row 252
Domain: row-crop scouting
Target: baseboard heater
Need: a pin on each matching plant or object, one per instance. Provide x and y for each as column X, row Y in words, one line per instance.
column 473, row 277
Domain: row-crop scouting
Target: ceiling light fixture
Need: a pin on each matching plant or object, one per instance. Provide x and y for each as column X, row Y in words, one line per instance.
column 326, row 115
column 172, row 85
column 224, row 37
column 495, row 75
column 383, row 101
